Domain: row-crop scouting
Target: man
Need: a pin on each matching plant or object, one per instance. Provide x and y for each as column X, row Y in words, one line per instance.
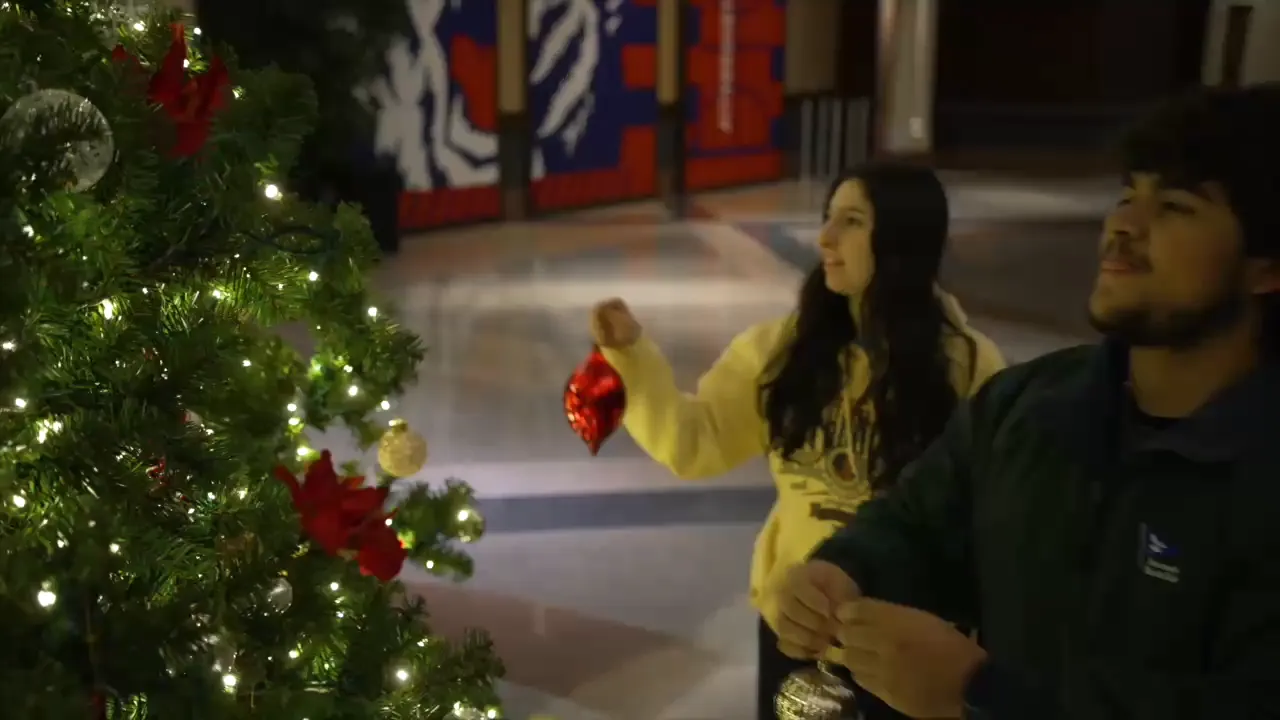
column 1107, row 517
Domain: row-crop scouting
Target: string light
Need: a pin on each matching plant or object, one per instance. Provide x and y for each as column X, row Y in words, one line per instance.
column 139, row 26
column 272, row 192
column 46, row 598
column 304, row 451
column 373, row 312
column 353, row 391
column 8, row 345
column 114, row 548
column 108, row 309
column 229, row 681
column 291, row 407
column 402, row 675
column 20, row 403
column 19, row 501
column 386, row 405
column 313, row 276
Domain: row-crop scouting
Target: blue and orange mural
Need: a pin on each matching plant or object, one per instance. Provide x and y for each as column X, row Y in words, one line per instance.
column 438, row 113
column 734, row 90
column 592, row 101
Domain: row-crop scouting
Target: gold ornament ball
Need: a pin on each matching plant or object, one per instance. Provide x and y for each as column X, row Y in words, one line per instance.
column 401, row 451
column 815, row 693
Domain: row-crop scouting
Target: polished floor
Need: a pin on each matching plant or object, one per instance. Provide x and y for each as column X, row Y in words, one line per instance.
column 611, row 589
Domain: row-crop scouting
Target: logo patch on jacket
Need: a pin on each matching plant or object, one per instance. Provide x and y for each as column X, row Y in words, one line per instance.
column 1157, row 557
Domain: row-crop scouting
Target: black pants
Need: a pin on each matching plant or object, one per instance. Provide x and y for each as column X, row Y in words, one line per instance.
column 775, row 667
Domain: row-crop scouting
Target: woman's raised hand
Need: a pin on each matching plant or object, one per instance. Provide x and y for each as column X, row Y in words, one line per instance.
column 613, row 325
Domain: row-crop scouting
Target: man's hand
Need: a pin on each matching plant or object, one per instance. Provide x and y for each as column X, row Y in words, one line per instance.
column 807, row 600
column 917, row 663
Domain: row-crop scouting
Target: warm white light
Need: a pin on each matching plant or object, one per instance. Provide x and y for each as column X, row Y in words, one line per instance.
column 7, row 345
column 491, row 713
column 463, row 515
column 313, row 276
column 373, row 312
column 46, row 598
column 291, row 407
column 20, row 403
column 217, row 294
column 212, row 496
column 229, row 681
column 340, row 614
column 353, row 391
column 293, row 654
column 139, row 26
column 19, row 501
column 186, row 63
column 294, row 421
column 402, row 675
column 246, row 363
column 237, row 92
column 334, row 586
column 196, row 31
column 272, row 192
column 28, row 231
column 108, row 309
column 304, row 451
column 386, row 405
column 241, row 493
column 347, row 368
column 114, row 547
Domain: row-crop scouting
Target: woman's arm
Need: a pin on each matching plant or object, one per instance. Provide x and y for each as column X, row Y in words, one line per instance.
column 710, row 431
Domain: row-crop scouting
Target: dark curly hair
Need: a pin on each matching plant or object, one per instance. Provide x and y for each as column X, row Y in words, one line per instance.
column 1230, row 137
column 902, row 330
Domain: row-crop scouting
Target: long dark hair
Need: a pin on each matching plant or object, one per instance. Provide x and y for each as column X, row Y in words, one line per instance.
column 901, row 331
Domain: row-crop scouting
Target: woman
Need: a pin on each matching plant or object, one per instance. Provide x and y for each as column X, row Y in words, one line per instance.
column 840, row 395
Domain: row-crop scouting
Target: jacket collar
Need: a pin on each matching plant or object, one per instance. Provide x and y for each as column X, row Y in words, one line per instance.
column 1087, row 412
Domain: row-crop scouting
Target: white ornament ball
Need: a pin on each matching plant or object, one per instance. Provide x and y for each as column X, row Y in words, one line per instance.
column 88, row 160
column 401, row 451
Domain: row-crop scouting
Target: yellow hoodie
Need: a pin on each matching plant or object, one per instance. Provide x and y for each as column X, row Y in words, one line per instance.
column 720, row 426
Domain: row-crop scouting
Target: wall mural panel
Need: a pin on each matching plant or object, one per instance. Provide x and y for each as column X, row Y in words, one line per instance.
column 734, row 90
column 593, row 107
column 438, row 113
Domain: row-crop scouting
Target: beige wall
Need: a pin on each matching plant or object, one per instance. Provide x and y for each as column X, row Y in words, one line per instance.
column 813, row 36
column 1262, row 47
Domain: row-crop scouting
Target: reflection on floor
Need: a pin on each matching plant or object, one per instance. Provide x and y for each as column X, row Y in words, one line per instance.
column 612, row 589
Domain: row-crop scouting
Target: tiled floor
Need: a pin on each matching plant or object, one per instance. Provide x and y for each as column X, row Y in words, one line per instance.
column 611, row 589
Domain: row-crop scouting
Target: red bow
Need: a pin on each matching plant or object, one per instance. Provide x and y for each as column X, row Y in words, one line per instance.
column 344, row 517
column 190, row 102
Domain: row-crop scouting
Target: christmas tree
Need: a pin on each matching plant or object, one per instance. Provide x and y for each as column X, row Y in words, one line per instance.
column 160, row 553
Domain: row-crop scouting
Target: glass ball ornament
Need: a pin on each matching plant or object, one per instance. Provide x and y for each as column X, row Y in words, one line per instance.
column 280, row 596
column 815, row 693
column 401, row 451
column 88, row 160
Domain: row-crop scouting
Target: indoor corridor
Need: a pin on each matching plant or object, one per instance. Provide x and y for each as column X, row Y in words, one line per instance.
column 611, row 589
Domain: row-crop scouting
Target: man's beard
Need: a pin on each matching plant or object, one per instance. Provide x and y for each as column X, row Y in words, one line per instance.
column 1176, row 330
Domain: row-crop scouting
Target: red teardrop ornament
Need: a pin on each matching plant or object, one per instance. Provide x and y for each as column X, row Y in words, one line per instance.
column 594, row 399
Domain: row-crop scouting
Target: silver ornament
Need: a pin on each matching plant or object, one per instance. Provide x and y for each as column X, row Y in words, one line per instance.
column 464, row 712
column 223, row 653
column 815, row 693
column 280, row 596
column 88, row 160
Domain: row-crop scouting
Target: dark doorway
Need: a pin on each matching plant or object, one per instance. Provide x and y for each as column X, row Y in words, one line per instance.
column 1233, row 44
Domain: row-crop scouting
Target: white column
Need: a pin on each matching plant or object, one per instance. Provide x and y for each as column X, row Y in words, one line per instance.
column 1261, row 58
column 907, row 58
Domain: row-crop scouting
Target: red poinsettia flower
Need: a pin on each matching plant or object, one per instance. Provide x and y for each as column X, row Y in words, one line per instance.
column 189, row 101
column 381, row 554
column 345, row 517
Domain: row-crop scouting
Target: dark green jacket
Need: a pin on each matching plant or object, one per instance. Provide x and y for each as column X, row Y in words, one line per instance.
column 1106, row 581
